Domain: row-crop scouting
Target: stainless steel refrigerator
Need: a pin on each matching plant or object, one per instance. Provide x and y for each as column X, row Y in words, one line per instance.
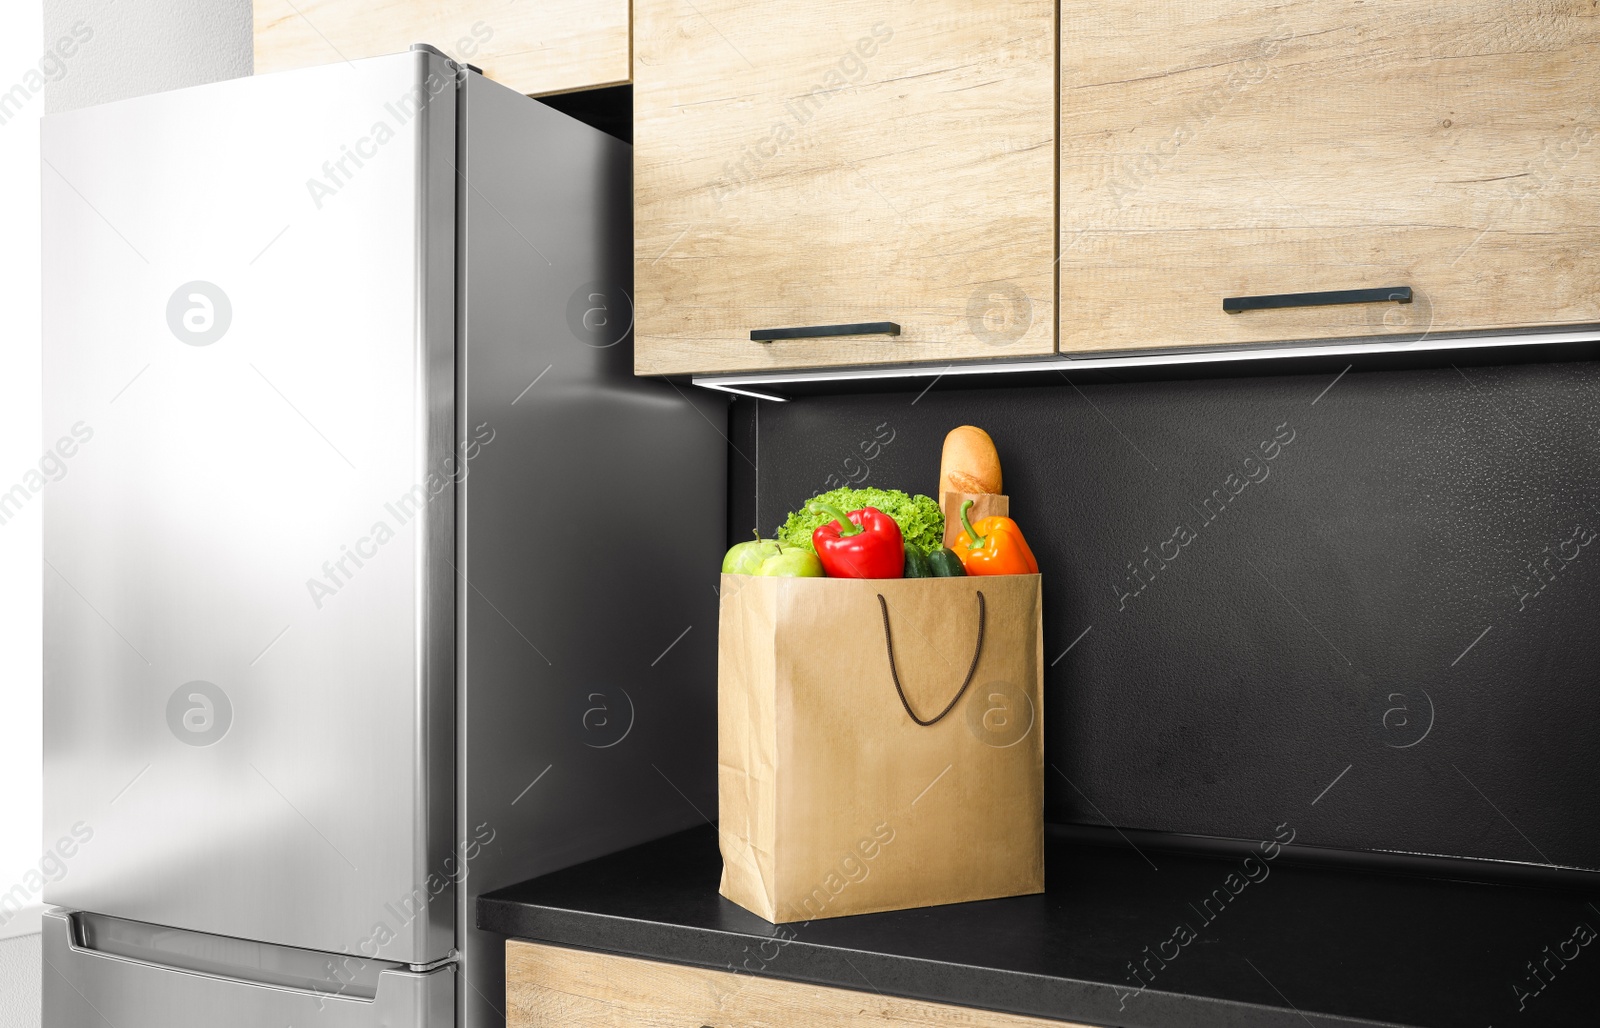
column 374, row 579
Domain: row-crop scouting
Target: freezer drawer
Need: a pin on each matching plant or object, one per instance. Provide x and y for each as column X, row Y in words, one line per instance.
column 183, row 980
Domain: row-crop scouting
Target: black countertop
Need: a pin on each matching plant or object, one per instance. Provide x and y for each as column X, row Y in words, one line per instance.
column 1295, row 945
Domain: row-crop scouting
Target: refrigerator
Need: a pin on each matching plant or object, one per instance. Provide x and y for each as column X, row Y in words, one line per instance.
column 374, row 579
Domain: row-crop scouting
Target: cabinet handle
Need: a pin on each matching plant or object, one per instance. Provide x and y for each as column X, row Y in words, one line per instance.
column 1396, row 294
column 870, row 328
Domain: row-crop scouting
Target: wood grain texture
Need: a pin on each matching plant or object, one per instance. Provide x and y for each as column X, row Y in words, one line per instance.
column 1232, row 148
column 552, row 987
column 842, row 162
column 536, row 47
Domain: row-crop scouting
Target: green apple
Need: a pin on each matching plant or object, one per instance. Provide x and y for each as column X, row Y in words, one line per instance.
column 793, row 562
column 746, row 558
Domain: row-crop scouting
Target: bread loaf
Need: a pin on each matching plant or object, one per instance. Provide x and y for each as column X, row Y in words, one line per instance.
column 969, row 464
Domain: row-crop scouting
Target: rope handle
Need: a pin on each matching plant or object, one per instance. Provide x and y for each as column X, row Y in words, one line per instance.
column 888, row 638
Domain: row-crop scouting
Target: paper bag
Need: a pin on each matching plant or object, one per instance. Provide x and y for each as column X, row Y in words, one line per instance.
column 984, row 505
column 879, row 743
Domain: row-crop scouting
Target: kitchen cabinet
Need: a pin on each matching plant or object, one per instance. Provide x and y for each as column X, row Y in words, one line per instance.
column 535, row 47
column 554, row 987
column 1235, row 149
column 832, row 163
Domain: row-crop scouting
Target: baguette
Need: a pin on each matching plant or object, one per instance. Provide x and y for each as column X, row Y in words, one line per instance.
column 969, row 463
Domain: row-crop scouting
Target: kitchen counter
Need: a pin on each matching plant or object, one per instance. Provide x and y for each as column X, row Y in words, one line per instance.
column 1287, row 944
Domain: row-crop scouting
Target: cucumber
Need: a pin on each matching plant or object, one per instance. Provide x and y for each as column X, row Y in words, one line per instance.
column 917, row 562
column 944, row 563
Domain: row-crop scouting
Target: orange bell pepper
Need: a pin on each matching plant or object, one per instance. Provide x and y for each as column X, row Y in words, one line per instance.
column 994, row 546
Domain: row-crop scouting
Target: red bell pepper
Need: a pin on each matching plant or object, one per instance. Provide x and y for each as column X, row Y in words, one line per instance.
column 865, row 543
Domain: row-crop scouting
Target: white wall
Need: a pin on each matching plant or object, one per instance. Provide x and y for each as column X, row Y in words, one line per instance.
column 20, row 30
column 128, row 48
column 148, row 46
column 19, row 982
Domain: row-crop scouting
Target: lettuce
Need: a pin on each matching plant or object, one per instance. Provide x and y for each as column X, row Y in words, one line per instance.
column 919, row 517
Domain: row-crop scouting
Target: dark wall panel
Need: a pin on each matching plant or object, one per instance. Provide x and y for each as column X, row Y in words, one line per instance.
column 1368, row 607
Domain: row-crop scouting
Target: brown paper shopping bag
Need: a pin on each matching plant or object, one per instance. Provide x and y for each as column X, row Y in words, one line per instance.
column 984, row 505
column 879, row 743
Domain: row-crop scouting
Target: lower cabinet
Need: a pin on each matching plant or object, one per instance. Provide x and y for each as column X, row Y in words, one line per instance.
column 553, row 987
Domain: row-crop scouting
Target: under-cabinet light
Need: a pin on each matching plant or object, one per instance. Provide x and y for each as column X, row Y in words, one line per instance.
column 740, row 382
column 743, row 392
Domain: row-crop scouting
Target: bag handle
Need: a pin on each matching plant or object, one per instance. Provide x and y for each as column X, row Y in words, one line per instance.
column 894, row 673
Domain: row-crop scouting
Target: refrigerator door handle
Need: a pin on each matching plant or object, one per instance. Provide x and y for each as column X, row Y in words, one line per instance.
column 328, row 975
column 154, row 976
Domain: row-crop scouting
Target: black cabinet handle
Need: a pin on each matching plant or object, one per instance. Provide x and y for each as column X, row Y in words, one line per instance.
column 871, row 328
column 1392, row 294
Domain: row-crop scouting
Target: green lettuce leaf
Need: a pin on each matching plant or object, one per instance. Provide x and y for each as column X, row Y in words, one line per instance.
column 919, row 517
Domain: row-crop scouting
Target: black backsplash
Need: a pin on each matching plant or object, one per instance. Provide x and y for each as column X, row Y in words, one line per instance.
column 1364, row 606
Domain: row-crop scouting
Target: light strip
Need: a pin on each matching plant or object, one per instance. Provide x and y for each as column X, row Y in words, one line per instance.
column 736, row 382
column 742, row 392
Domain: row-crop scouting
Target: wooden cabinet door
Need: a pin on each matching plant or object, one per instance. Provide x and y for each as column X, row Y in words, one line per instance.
column 842, row 162
column 1236, row 148
column 535, row 46
column 552, row 987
